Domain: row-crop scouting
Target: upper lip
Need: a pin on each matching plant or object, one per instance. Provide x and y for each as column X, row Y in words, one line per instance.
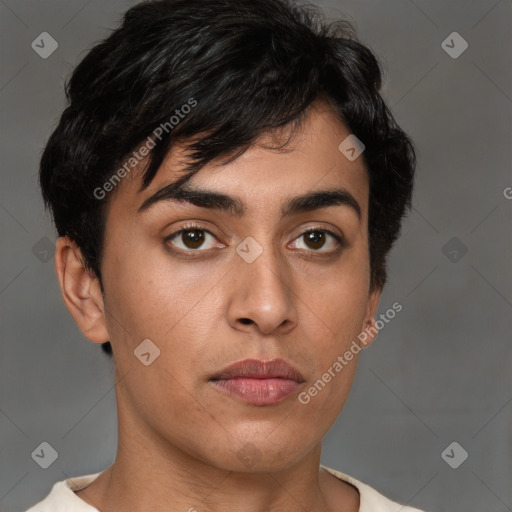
column 255, row 369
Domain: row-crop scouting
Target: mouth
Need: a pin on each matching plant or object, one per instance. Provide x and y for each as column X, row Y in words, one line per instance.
column 259, row 382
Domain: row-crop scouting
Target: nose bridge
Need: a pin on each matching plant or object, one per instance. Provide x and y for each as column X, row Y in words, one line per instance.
column 263, row 264
column 264, row 288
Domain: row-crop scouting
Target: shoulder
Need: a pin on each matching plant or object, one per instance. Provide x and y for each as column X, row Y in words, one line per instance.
column 371, row 500
column 62, row 497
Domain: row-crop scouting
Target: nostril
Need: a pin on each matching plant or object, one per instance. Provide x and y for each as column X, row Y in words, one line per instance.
column 246, row 320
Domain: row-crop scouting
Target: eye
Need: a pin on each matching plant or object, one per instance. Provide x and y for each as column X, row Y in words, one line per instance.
column 316, row 239
column 191, row 237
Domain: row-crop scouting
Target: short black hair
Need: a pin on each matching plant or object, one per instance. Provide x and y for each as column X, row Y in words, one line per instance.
column 247, row 67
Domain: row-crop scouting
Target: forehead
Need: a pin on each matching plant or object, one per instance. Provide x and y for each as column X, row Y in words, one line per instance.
column 261, row 177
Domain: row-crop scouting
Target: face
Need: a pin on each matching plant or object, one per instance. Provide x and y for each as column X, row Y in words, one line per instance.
column 210, row 287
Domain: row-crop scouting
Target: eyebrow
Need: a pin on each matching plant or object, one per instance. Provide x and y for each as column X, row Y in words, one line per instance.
column 234, row 206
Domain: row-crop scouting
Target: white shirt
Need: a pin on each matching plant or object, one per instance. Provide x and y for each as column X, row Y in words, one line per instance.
column 63, row 499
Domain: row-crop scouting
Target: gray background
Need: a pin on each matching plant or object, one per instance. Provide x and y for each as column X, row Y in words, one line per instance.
column 440, row 371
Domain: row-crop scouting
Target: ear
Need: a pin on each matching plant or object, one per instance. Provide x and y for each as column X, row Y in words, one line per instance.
column 80, row 290
column 370, row 330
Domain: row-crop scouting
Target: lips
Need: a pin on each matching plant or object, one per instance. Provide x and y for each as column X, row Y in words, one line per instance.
column 259, row 382
column 254, row 369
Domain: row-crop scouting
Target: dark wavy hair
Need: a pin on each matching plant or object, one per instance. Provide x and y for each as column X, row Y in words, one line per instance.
column 251, row 66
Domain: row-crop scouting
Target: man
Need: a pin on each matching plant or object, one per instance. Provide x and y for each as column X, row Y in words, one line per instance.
column 226, row 183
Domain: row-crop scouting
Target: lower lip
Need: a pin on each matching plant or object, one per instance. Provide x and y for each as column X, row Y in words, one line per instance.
column 258, row 391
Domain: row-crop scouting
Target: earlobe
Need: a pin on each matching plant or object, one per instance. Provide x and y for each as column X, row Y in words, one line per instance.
column 80, row 291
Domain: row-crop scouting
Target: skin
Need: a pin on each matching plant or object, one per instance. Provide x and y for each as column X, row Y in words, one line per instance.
column 180, row 440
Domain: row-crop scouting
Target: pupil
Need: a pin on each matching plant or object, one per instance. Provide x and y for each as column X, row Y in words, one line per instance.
column 317, row 238
column 194, row 237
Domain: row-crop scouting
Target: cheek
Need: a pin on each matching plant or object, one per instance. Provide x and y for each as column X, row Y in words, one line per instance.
column 333, row 358
column 150, row 296
column 335, row 298
column 333, row 313
column 148, row 299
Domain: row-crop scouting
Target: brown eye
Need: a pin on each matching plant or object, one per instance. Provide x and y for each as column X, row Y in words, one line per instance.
column 316, row 239
column 190, row 239
column 194, row 237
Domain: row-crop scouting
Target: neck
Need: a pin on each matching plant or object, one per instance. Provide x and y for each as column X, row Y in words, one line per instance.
column 149, row 473
column 172, row 481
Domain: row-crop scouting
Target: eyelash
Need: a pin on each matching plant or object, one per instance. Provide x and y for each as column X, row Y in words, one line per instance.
column 191, row 227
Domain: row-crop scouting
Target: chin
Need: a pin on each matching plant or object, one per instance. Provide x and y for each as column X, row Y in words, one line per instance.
column 265, row 457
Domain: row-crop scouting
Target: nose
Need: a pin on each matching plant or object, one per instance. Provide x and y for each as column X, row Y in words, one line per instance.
column 262, row 294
